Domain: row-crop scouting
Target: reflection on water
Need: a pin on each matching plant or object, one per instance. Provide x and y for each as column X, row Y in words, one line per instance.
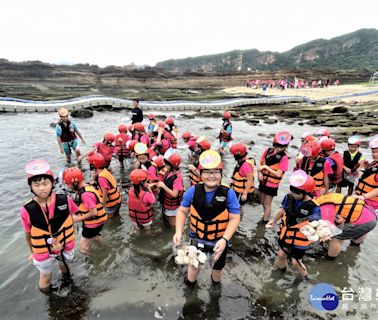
column 133, row 276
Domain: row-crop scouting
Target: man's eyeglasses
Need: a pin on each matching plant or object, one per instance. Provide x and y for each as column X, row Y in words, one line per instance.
column 215, row 173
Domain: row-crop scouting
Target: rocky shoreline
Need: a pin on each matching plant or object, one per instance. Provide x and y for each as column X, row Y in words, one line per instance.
column 343, row 119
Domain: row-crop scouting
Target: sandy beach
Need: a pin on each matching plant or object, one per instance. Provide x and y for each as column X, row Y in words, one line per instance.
column 315, row 93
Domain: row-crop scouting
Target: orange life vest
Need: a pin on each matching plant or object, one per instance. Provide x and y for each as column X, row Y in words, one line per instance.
column 139, row 212
column 337, row 168
column 122, row 149
column 167, row 201
column 101, row 213
column 292, row 235
column 224, row 135
column 316, row 171
column 209, row 222
column 194, row 178
column 367, row 181
column 348, row 207
column 114, row 194
column 272, row 160
column 61, row 225
column 294, row 218
column 238, row 182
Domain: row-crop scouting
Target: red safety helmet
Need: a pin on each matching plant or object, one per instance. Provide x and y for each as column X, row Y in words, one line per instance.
column 161, row 124
column 373, row 142
column 151, row 116
column 186, row 135
column 300, row 180
column 324, row 132
column 283, row 138
column 72, row 175
column 226, row 115
column 159, row 161
column 169, row 121
column 122, row 128
column 139, row 126
column 239, row 149
column 315, row 148
column 131, row 144
column 96, row 159
column 174, row 160
column 138, row 175
column 191, row 144
column 109, row 137
column 38, row 168
column 328, row 144
column 204, row 145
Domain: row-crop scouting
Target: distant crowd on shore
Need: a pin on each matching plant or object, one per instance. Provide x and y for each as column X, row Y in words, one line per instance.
column 290, row 83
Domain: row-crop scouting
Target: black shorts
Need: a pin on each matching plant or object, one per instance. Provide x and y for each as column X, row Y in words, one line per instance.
column 91, row 232
column 292, row 251
column 221, row 262
column 268, row 190
column 346, row 183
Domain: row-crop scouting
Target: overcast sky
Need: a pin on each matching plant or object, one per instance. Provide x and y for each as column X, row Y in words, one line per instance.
column 110, row 32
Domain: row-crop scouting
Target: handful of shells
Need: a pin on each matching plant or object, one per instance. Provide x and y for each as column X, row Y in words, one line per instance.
column 318, row 230
column 190, row 255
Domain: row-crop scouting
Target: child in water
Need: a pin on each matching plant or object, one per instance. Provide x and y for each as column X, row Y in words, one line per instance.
column 298, row 208
column 141, row 200
column 48, row 224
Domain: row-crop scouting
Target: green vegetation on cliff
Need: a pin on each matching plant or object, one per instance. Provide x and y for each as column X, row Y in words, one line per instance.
column 356, row 50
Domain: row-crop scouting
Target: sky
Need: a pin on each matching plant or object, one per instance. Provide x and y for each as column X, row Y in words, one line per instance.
column 111, row 32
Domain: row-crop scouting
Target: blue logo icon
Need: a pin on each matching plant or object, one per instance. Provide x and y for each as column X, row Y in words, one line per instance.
column 324, row 297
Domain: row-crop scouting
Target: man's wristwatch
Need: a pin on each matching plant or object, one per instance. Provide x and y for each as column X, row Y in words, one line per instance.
column 225, row 240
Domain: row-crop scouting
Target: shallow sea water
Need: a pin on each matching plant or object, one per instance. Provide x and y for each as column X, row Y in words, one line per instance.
column 134, row 276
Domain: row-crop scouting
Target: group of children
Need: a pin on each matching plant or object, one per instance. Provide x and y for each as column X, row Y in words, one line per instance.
column 214, row 209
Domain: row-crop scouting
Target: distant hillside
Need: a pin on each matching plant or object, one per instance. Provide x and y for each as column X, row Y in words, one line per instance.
column 356, row 50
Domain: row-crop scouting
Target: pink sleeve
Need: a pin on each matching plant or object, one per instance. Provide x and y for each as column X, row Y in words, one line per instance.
column 97, row 144
column 89, row 200
column 72, row 207
column 145, row 140
column 284, row 164
column 152, row 173
column 149, row 198
column 25, row 220
column 263, row 155
column 245, row 169
column 103, row 183
column 165, row 143
column 178, row 184
column 327, row 169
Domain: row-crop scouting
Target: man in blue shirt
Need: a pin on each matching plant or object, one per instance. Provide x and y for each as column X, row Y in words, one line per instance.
column 214, row 215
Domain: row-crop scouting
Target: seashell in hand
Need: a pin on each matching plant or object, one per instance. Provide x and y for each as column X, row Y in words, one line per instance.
column 313, row 238
column 314, row 224
column 179, row 260
column 323, row 223
column 180, row 253
column 202, row 257
column 192, row 249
